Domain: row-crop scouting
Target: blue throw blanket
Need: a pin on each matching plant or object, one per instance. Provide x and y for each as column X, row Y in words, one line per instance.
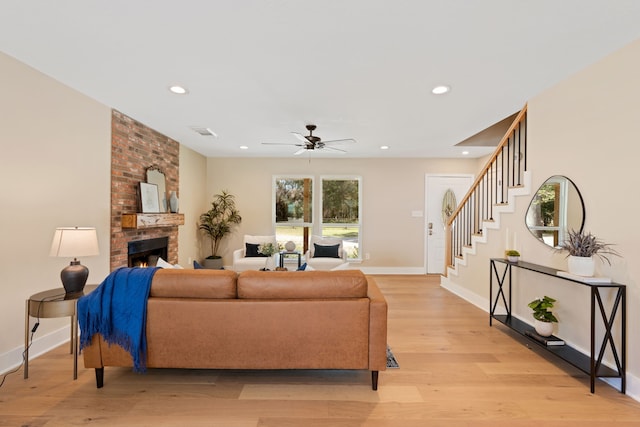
column 117, row 310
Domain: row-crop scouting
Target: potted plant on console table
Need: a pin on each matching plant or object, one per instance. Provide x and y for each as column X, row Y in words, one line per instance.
column 217, row 222
column 543, row 315
column 582, row 248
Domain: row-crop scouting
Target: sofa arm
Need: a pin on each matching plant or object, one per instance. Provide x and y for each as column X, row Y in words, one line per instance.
column 377, row 327
column 238, row 254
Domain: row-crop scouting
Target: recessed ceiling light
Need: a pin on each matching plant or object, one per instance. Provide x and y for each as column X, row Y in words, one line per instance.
column 464, row 153
column 440, row 90
column 244, row 147
column 179, row 90
column 384, row 147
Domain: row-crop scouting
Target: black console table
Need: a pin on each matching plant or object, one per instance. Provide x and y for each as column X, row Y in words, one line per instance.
column 590, row 364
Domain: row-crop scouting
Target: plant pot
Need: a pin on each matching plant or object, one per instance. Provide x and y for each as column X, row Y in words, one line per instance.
column 543, row 329
column 513, row 258
column 213, row 263
column 581, row 266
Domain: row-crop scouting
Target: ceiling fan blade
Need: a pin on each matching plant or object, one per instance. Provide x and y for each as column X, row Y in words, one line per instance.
column 300, row 137
column 328, row 147
column 300, row 151
column 340, row 141
column 283, row 143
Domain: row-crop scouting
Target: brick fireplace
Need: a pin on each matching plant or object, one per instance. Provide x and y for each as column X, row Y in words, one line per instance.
column 134, row 148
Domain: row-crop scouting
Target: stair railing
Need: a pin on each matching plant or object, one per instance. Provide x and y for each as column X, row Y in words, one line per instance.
column 504, row 169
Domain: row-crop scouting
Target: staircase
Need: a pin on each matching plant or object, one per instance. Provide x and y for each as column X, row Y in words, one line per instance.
column 493, row 193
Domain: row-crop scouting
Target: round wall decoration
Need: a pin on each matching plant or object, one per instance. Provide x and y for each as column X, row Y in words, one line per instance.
column 448, row 205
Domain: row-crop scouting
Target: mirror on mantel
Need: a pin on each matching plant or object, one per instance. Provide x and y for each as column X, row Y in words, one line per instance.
column 556, row 208
column 156, row 176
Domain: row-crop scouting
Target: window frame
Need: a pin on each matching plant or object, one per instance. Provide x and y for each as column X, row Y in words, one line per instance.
column 322, row 225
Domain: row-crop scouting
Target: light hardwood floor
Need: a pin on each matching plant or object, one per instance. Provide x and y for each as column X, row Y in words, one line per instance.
column 454, row 371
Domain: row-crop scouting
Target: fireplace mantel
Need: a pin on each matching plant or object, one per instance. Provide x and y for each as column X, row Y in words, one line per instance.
column 151, row 220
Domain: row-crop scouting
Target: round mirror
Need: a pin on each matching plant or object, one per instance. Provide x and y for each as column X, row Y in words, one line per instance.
column 556, row 208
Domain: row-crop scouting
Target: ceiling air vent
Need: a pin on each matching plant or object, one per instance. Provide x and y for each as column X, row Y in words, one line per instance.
column 204, row 131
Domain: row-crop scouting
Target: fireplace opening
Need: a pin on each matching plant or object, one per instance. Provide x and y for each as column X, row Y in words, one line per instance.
column 145, row 253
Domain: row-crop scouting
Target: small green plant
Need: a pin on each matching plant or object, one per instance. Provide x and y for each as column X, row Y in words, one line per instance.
column 542, row 309
column 267, row 249
column 585, row 244
column 511, row 252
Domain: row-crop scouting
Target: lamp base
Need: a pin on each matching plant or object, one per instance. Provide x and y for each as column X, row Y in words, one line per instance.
column 74, row 277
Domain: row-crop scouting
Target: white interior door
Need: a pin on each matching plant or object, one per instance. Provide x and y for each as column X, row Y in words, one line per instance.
column 435, row 188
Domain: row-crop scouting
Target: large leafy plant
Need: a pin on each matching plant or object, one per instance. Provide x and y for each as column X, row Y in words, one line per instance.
column 218, row 221
column 542, row 309
column 579, row 243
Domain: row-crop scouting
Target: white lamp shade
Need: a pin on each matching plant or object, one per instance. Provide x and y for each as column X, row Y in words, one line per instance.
column 74, row 242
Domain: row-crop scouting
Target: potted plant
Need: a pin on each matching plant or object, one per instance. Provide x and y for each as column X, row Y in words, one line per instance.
column 267, row 249
column 582, row 248
column 217, row 222
column 543, row 315
column 512, row 255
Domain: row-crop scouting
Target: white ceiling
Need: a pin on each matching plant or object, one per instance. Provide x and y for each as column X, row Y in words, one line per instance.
column 258, row 70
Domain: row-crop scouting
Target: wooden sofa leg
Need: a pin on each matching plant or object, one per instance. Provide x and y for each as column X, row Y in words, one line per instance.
column 99, row 377
column 374, row 380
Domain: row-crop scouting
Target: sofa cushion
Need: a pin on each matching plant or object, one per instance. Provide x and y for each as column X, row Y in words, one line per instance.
column 325, row 251
column 205, row 283
column 324, row 241
column 302, row 285
column 252, row 250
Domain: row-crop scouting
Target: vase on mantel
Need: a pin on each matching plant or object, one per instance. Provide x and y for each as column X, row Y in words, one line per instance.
column 173, row 202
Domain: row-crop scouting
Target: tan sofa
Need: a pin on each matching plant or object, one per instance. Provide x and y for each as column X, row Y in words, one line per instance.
column 217, row 319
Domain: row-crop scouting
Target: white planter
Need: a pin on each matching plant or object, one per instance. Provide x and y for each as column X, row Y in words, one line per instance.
column 513, row 258
column 581, row 266
column 544, row 329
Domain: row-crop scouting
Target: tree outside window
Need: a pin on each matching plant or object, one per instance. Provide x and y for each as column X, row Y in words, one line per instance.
column 341, row 212
column 293, row 210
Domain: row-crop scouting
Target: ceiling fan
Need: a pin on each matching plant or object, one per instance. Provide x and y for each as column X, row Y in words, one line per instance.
column 312, row 142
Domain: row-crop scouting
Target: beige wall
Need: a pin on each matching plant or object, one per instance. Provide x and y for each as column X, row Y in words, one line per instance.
column 583, row 128
column 392, row 189
column 193, row 201
column 55, row 171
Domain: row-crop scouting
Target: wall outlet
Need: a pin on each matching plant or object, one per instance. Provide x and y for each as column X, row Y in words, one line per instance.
column 367, row 256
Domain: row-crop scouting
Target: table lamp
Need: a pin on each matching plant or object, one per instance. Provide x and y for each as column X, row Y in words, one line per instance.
column 74, row 242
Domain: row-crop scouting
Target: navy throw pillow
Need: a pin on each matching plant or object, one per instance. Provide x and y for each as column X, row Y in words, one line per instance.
column 252, row 250
column 196, row 265
column 302, row 267
column 323, row 251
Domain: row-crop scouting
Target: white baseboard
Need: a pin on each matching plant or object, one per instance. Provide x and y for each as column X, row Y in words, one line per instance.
column 40, row 345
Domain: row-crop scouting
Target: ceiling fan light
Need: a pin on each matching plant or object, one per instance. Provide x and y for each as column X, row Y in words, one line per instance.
column 384, row 147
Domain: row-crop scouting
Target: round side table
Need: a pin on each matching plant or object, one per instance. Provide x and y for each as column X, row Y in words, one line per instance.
column 50, row 304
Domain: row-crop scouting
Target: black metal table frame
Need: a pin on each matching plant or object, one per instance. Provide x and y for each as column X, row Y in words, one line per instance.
column 595, row 367
column 283, row 253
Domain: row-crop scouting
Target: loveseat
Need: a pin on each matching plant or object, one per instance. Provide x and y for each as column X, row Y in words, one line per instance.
column 218, row 319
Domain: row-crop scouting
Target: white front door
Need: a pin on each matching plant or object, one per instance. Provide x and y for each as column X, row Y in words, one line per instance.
column 435, row 188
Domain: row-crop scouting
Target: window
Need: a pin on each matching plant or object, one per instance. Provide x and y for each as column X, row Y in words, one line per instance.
column 341, row 201
column 293, row 209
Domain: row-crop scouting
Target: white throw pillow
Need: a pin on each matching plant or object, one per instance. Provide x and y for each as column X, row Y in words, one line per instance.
column 163, row 264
